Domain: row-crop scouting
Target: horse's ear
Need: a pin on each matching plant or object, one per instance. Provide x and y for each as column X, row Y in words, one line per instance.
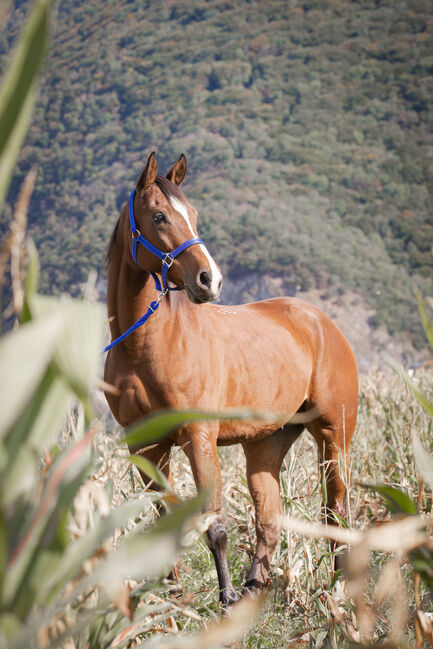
column 148, row 174
column 177, row 173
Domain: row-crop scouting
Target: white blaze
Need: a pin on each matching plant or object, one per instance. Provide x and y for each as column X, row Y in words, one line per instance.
column 182, row 209
column 214, row 270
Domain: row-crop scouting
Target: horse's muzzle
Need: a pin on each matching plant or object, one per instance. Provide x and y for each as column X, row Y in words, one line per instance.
column 205, row 291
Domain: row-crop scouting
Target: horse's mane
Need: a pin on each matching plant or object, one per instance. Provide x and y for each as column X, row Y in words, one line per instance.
column 168, row 189
column 111, row 243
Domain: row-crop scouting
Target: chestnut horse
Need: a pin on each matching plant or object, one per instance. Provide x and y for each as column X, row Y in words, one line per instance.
column 280, row 355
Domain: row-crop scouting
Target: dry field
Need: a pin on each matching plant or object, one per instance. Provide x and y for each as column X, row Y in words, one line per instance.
column 374, row 602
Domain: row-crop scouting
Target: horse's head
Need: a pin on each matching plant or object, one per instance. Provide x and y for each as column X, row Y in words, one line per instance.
column 164, row 217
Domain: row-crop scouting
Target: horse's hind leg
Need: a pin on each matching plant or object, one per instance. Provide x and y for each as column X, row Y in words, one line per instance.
column 333, row 435
column 264, row 460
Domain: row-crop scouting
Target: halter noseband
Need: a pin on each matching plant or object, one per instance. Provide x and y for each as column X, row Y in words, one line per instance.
column 166, row 258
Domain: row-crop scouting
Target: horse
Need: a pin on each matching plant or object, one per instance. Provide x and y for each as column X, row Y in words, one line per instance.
column 280, row 355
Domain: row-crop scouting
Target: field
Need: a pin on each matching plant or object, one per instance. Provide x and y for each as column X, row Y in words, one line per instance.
column 85, row 545
column 303, row 607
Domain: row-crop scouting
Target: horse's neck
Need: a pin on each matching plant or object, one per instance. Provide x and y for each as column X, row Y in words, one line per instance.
column 129, row 293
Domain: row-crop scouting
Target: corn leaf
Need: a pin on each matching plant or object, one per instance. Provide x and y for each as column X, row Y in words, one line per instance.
column 424, row 461
column 151, row 471
column 396, row 500
column 19, row 90
column 428, row 407
column 77, row 352
column 31, row 281
column 428, row 328
column 146, row 555
column 87, row 546
column 161, row 424
column 63, row 482
column 24, row 357
column 35, row 431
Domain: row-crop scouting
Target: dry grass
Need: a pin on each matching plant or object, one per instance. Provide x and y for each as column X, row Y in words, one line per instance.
column 306, row 606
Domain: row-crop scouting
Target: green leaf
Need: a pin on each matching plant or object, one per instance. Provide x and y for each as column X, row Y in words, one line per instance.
column 3, row 547
column 396, row 500
column 19, row 89
column 87, row 545
column 32, row 279
column 33, row 432
column 78, row 350
column 428, row 407
column 64, row 480
column 428, row 328
column 152, row 472
column 24, row 356
column 144, row 555
column 162, row 423
column 422, row 561
column 424, row 461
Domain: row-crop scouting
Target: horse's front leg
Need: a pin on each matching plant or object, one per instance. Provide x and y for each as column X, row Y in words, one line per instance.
column 264, row 460
column 200, row 446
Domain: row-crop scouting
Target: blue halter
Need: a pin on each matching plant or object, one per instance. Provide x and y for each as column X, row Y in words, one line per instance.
column 166, row 258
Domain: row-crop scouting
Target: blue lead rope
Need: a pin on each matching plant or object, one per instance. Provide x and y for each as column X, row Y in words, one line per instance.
column 152, row 308
column 167, row 259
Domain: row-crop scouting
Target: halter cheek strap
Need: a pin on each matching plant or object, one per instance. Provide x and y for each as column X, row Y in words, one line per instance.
column 166, row 258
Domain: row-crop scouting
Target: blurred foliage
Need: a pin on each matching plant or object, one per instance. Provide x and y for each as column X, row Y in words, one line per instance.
column 397, row 501
column 307, row 127
column 57, row 584
column 19, row 89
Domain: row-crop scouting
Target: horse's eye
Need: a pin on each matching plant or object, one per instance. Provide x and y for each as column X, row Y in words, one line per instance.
column 159, row 217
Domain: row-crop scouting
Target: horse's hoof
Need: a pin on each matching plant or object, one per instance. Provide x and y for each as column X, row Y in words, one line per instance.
column 253, row 589
column 228, row 598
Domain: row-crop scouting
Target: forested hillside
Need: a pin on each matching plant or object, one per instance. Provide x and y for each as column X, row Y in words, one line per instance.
column 308, row 128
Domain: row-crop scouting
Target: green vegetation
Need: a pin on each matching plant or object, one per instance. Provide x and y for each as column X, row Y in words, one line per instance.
column 307, row 127
column 69, row 539
column 306, row 606
column 78, row 564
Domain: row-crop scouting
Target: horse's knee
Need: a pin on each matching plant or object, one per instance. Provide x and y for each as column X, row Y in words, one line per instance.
column 217, row 535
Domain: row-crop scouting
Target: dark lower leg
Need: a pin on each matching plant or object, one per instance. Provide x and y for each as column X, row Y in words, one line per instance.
column 217, row 539
column 202, row 453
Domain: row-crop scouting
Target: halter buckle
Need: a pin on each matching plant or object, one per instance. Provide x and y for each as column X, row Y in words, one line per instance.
column 168, row 260
column 135, row 234
column 161, row 295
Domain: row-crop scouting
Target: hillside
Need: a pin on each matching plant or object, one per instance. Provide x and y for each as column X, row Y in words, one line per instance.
column 307, row 127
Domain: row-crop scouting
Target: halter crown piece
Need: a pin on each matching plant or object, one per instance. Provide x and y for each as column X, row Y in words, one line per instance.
column 166, row 258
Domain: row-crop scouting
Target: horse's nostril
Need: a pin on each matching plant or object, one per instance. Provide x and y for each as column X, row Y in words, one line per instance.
column 220, row 283
column 205, row 278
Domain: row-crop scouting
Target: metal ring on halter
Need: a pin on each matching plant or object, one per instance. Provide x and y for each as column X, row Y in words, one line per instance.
column 135, row 234
column 165, row 262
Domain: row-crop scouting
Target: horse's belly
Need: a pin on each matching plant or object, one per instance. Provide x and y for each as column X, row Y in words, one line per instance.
column 237, row 432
